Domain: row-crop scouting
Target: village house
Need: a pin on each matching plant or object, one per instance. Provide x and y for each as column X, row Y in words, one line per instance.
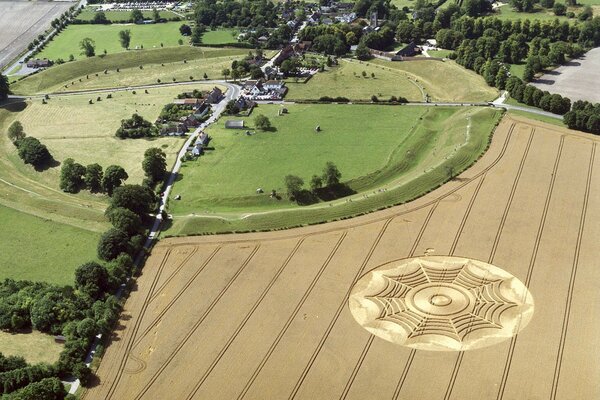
column 264, row 90
column 214, row 96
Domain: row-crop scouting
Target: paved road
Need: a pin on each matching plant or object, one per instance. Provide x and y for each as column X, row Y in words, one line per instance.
column 233, row 92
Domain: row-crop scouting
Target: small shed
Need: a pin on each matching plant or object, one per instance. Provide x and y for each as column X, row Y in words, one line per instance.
column 234, row 124
column 60, row 339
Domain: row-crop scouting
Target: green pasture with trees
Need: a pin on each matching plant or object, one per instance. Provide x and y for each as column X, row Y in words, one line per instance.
column 106, row 37
column 401, row 141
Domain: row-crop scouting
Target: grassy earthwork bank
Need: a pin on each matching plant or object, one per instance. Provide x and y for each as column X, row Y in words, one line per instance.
column 106, row 38
column 66, row 77
column 406, row 150
column 410, row 79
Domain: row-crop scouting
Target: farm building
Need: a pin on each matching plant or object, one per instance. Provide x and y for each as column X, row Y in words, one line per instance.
column 38, row 63
column 234, row 124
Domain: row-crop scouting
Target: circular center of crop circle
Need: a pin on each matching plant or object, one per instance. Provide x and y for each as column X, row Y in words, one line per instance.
column 440, row 300
column 437, row 299
column 441, row 303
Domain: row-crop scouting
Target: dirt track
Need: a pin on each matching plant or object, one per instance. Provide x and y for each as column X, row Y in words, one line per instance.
column 266, row 316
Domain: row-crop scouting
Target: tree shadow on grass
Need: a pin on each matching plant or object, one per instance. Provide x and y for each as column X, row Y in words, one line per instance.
column 334, row 192
column 47, row 165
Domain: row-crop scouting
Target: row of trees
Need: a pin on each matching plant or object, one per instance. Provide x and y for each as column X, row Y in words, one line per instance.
column 531, row 95
column 30, row 149
column 75, row 177
column 329, row 180
column 584, row 116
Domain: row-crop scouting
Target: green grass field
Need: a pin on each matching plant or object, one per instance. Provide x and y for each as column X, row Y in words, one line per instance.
column 220, row 36
column 405, row 149
column 433, row 76
column 106, row 38
column 39, row 249
column 210, row 60
column 121, row 16
column 35, row 346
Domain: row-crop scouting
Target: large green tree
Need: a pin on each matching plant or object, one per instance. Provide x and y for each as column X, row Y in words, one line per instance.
column 136, row 15
column 125, row 38
column 91, row 277
column 137, row 198
column 124, row 220
column 88, row 47
column 93, row 177
column 112, row 243
column 113, row 178
column 71, row 176
column 15, row 132
column 331, row 174
column 33, row 152
column 155, row 164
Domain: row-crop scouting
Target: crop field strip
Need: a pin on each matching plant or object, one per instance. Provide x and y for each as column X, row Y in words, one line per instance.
column 531, row 171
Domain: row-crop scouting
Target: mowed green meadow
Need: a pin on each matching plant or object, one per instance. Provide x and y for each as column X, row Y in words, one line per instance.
column 39, row 249
column 403, row 149
column 106, row 38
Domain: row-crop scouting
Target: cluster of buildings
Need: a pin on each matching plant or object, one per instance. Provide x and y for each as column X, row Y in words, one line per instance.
column 262, row 89
column 198, row 111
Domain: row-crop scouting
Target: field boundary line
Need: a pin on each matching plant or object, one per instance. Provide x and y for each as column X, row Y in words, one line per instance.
column 567, row 314
column 509, row 356
column 182, row 343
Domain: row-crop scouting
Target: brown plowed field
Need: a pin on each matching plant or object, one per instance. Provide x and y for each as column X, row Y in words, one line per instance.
column 266, row 316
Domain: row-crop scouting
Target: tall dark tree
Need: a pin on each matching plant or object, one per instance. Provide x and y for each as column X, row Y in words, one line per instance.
column 112, row 243
column 136, row 15
column 124, row 220
column 155, row 164
column 331, row 174
column 293, row 185
column 33, row 152
column 139, row 199
column 91, row 277
column 114, row 176
column 93, row 177
column 71, row 176
column 125, row 38
column 88, row 47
